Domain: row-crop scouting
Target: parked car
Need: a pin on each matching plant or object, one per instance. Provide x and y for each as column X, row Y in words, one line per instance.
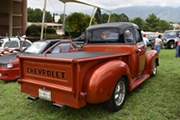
column 14, row 43
column 9, row 64
column 151, row 37
column 170, row 37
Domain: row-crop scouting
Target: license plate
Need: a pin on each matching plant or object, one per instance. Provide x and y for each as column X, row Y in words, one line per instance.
column 45, row 94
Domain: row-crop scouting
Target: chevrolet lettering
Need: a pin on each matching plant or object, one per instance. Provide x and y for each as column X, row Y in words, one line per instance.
column 50, row 73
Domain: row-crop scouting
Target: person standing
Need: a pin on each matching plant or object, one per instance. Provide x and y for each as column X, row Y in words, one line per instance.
column 178, row 47
column 158, row 43
column 145, row 40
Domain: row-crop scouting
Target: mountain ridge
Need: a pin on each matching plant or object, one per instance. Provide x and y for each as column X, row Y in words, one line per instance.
column 167, row 13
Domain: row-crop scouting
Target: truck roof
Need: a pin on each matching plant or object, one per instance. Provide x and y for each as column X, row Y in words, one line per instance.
column 119, row 25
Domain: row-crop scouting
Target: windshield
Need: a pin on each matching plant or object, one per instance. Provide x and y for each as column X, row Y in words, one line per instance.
column 110, row 34
column 36, row 47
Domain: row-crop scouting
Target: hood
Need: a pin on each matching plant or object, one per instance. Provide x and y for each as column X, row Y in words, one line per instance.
column 8, row 58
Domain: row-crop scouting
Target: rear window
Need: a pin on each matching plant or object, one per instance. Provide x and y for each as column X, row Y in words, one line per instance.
column 109, row 34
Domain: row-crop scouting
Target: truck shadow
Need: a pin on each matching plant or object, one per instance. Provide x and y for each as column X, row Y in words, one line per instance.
column 90, row 111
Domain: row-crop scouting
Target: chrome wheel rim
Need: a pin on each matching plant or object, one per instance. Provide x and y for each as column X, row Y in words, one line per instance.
column 172, row 46
column 119, row 93
column 155, row 69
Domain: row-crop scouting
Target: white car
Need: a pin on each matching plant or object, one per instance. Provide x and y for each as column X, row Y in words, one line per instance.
column 14, row 43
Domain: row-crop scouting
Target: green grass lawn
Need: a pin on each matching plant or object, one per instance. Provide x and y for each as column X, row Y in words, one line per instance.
column 158, row 98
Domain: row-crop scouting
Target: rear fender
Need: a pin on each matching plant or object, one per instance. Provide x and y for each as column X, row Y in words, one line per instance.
column 101, row 79
column 151, row 57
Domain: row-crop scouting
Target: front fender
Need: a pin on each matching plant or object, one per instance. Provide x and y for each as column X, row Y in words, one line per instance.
column 151, row 57
column 101, row 79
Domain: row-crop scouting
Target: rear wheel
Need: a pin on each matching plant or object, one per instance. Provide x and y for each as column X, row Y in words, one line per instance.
column 118, row 97
column 154, row 69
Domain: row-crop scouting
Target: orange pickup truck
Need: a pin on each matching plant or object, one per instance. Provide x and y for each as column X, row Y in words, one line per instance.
column 103, row 72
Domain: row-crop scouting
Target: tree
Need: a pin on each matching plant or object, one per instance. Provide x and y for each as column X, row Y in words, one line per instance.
column 78, row 22
column 119, row 18
column 139, row 21
column 104, row 17
column 33, row 30
column 48, row 17
column 151, row 21
column 98, row 16
column 163, row 26
column 36, row 15
column 114, row 17
column 154, row 24
column 123, row 18
column 62, row 18
column 30, row 14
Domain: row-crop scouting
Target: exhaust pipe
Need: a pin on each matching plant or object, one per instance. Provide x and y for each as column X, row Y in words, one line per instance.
column 32, row 97
column 58, row 105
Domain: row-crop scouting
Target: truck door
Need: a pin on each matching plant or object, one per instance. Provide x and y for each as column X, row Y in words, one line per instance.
column 141, row 50
column 133, row 36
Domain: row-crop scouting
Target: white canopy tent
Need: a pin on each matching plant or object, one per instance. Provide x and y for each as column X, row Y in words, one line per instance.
column 77, row 1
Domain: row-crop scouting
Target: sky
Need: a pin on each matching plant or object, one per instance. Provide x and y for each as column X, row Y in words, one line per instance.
column 56, row 6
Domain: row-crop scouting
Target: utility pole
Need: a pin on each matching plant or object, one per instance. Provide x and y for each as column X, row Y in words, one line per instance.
column 64, row 20
column 42, row 26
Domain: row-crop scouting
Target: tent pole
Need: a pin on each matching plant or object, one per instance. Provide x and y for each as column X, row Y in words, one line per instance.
column 92, row 16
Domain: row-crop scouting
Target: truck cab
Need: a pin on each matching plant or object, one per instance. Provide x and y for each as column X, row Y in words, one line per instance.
column 113, row 60
column 126, row 38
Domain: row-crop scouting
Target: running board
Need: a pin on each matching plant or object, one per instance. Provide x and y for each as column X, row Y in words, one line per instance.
column 138, row 81
column 32, row 97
